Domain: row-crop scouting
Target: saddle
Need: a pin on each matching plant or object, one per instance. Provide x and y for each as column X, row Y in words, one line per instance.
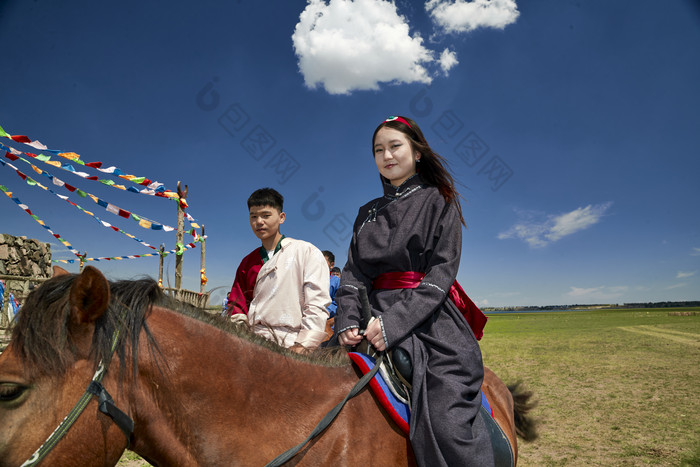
column 397, row 370
column 392, row 387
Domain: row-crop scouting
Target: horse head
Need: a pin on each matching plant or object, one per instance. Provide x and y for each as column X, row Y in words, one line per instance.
column 46, row 369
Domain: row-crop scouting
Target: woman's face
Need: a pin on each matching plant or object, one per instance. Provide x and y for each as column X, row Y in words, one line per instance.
column 394, row 155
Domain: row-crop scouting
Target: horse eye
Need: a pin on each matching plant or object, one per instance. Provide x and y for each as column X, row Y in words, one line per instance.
column 10, row 391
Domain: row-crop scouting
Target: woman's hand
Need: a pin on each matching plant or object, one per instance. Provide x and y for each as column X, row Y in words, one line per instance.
column 350, row 337
column 374, row 334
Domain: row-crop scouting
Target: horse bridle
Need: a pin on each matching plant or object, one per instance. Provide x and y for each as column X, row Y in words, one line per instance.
column 105, row 405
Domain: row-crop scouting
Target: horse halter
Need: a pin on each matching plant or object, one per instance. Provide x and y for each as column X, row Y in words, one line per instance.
column 105, row 405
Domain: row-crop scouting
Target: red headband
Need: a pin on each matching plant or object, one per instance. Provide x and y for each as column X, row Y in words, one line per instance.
column 398, row 119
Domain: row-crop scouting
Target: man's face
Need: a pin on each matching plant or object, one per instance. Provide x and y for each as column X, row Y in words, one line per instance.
column 265, row 221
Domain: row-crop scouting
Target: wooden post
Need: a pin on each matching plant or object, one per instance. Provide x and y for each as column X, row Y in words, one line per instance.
column 160, row 266
column 202, row 269
column 179, row 236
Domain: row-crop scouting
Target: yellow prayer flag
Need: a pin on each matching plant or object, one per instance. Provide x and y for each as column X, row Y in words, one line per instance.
column 69, row 155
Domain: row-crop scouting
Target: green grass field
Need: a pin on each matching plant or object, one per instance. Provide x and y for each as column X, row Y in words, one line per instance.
column 615, row 387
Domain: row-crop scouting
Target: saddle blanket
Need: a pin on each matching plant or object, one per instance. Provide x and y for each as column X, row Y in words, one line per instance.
column 397, row 410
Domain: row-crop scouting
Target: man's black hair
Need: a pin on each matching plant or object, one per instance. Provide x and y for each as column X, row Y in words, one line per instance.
column 329, row 255
column 266, row 197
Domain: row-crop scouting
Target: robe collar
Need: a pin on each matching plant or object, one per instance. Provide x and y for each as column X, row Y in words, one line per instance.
column 406, row 187
column 263, row 251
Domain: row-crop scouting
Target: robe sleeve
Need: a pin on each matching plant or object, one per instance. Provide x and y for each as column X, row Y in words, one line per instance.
column 349, row 312
column 244, row 284
column 316, row 298
column 237, row 302
column 414, row 306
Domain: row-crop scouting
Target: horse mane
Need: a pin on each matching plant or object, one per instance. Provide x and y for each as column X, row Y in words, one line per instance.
column 41, row 333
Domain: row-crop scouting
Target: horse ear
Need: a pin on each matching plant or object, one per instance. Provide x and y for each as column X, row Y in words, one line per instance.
column 59, row 271
column 89, row 296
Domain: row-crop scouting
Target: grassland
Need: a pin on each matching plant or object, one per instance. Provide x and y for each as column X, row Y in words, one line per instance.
column 615, row 387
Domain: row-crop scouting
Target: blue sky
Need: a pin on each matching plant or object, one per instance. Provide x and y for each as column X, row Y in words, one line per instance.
column 572, row 127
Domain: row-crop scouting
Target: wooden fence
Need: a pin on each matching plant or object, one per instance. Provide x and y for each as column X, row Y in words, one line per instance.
column 197, row 299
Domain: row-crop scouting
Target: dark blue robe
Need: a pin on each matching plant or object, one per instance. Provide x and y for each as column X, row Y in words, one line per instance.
column 412, row 228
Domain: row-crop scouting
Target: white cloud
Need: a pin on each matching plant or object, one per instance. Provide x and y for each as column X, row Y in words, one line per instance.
column 597, row 293
column 465, row 16
column 356, row 45
column 538, row 233
column 531, row 232
column 675, row 286
column 695, row 252
column 578, row 219
column 683, row 274
column 580, row 292
column 346, row 45
column 448, row 59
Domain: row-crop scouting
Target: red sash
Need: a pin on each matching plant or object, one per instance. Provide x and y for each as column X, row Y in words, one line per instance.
column 411, row 279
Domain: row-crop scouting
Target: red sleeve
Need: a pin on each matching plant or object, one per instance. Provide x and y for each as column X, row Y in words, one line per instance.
column 244, row 284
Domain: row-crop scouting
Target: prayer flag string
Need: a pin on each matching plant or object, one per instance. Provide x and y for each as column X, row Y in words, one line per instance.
column 26, row 209
column 109, row 207
column 117, row 258
column 12, row 152
column 179, row 250
column 153, row 188
column 31, row 182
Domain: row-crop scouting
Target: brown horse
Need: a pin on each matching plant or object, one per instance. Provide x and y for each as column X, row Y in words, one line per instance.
column 200, row 390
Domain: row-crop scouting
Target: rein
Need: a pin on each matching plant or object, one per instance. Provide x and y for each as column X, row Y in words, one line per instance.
column 105, row 405
column 330, row 416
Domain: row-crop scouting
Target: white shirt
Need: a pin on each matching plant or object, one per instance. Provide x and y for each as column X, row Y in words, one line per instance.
column 291, row 295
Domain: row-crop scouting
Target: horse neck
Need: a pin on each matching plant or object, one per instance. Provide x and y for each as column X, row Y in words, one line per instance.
column 212, row 390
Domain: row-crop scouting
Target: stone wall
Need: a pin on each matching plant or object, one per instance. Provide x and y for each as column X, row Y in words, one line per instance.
column 20, row 256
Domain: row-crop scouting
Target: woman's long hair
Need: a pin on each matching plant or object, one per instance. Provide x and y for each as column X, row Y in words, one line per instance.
column 432, row 165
